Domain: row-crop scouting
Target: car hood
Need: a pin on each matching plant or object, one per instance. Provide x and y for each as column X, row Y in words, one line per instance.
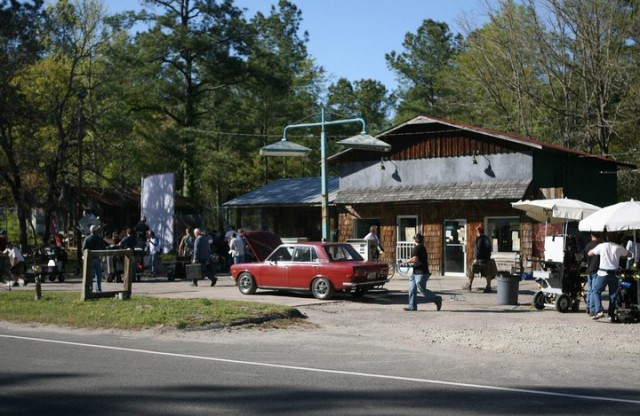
column 262, row 243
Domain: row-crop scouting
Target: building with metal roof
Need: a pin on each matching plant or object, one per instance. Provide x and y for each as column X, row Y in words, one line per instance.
column 442, row 179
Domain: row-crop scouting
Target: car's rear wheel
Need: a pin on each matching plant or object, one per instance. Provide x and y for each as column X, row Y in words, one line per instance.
column 322, row 289
column 246, row 284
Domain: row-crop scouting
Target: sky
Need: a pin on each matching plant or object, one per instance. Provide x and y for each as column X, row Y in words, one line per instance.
column 350, row 38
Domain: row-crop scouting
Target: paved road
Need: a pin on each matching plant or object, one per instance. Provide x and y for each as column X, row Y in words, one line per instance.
column 74, row 374
column 363, row 356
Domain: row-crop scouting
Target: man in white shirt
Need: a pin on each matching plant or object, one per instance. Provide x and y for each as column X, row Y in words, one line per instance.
column 373, row 241
column 610, row 254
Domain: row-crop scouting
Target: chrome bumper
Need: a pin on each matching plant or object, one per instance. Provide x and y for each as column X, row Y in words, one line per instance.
column 363, row 284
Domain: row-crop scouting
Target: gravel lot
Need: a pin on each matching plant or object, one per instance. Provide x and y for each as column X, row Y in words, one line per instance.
column 468, row 320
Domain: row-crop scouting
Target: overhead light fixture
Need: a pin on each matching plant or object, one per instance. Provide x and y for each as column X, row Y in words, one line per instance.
column 284, row 148
column 365, row 141
column 360, row 141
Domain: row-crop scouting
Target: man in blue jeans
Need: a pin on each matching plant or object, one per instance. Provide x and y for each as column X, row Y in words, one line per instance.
column 95, row 242
column 418, row 281
column 593, row 264
column 610, row 254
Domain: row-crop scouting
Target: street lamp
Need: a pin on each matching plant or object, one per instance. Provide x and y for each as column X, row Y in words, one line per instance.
column 361, row 141
column 82, row 94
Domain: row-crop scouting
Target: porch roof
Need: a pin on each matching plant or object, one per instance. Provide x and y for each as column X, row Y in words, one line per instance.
column 461, row 191
column 287, row 192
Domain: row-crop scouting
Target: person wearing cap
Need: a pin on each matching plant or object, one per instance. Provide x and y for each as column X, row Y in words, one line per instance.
column 95, row 242
column 16, row 262
column 418, row 281
column 481, row 259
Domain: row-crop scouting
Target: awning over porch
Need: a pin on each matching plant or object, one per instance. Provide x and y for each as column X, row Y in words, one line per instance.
column 287, row 192
column 462, row 191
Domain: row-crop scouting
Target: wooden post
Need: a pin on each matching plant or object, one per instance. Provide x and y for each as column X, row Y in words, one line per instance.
column 86, row 279
column 87, row 274
column 38, row 288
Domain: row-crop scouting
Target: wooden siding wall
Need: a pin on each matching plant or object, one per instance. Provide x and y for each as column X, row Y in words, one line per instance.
column 431, row 218
column 462, row 144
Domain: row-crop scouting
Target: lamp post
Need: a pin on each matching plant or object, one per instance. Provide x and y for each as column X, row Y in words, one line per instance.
column 361, row 141
column 82, row 94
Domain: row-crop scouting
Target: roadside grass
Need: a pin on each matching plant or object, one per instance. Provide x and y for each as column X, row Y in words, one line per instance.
column 137, row 313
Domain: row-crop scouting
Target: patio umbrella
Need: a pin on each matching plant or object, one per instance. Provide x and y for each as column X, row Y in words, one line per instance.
column 623, row 216
column 558, row 210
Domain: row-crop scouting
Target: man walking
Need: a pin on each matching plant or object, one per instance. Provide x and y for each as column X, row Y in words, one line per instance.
column 202, row 256
column 418, row 281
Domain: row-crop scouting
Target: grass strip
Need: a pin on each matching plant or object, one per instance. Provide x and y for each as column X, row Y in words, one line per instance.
column 137, row 313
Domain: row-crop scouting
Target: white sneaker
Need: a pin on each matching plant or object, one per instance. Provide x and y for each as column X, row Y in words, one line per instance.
column 598, row 316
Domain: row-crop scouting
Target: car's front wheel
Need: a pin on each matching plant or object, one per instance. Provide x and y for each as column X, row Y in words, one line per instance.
column 246, row 284
column 322, row 289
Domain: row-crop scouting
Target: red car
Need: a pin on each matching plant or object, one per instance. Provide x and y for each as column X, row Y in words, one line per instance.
column 321, row 268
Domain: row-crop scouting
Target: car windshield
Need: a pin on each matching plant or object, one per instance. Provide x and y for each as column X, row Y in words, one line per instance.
column 283, row 253
column 342, row 252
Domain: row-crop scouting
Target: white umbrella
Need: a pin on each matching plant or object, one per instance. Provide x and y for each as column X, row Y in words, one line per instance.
column 623, row 216
column 556, row 210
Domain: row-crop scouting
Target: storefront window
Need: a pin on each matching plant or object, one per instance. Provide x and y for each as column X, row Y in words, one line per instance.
column 504, row 233
column 407, row 228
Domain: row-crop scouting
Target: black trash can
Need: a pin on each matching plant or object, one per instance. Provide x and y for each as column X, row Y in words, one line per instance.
column 508, row 286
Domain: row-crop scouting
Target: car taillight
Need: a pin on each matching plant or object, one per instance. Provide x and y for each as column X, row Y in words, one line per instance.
column 360, row 273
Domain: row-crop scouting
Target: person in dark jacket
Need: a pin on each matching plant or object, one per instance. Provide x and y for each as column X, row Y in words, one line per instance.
column 481, row 260
column 202, row 255
column 418, row 280
column 95, row 242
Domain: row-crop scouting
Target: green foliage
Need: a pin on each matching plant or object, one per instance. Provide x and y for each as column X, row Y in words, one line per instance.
column 367, row 99
column 426, row 59
column 197, row 90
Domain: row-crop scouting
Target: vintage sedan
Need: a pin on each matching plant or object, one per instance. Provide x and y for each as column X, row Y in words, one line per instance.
column 319, row 268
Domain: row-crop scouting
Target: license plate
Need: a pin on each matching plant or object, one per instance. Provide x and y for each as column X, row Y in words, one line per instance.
column 372, row 276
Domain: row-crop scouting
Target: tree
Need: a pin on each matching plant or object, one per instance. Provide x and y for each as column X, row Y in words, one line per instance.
column 193, row 49
column 57, row 86
column 426, row 59
column 20, row 46
column 556, row 69
column 497, row 79
column 367, row 99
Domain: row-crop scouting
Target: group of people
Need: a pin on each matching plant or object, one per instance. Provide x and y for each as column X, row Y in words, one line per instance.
column 150, row 244
column 199, row 247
